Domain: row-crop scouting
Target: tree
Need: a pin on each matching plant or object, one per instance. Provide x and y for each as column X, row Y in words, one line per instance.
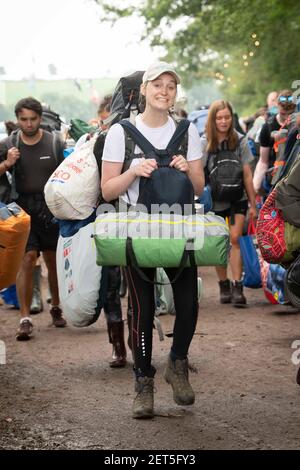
column 208, row 37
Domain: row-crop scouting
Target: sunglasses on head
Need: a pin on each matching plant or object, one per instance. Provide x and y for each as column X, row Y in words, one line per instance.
column 286, row 99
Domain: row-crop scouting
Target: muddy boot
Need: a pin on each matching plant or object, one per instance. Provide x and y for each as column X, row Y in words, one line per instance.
column 238, row 298
column 116, row 338
column 225, row 292
column 144, row 401
column 177, row 375
column 36, row 301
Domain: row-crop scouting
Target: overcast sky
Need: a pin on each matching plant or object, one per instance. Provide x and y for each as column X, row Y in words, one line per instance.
column 68, row 34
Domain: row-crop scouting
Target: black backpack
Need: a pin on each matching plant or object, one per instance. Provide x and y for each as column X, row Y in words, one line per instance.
column 225, row 175
column 50, row 120
column 166, row 184
column 292, row 283
column 124, row 104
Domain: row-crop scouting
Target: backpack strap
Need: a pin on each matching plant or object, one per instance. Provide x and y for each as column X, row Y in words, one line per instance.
column 137, row 137
column 14, row 141
column 148, row 149
column 57, row 146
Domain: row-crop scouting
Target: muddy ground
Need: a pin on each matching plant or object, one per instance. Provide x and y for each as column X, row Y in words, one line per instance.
column 58, row 392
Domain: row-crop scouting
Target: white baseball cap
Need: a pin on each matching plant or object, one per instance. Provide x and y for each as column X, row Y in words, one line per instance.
column 158, row 68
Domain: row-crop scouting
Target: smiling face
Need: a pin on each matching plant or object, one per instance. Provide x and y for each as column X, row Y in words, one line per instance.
column 223, row 120
column 160, row 93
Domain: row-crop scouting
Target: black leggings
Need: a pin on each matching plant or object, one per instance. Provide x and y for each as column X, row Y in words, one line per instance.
column 143, row 308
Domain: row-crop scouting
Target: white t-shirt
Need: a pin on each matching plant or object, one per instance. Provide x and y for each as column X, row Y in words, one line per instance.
column 159, row 137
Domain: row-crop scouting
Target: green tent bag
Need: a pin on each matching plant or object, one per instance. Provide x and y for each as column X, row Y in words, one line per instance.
column 165, row 240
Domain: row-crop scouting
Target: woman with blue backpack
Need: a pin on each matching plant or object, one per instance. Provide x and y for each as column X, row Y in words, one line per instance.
column 227, row 158
column 158, row 90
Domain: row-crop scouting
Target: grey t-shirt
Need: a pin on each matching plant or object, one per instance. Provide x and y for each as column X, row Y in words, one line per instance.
column 245, row 156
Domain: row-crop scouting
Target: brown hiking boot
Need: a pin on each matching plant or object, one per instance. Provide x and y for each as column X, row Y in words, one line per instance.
column 57, row 318
column 225, row 291
column 177, row 375
column 25, row 330
column 238, row 298
column 144, row 401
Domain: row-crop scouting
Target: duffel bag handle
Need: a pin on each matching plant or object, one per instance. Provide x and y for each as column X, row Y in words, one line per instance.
column 188, row 253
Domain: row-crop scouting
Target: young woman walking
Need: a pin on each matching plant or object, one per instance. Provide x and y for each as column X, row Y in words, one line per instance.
column 219, row 139
column 158, row 90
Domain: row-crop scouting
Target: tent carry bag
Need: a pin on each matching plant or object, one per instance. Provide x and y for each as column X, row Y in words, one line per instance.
column 161, row 240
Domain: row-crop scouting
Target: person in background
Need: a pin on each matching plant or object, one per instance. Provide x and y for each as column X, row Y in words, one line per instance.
column 32, row 160
column 112, row 306
column 103, row 112
column 278, row 123
column 221, row 135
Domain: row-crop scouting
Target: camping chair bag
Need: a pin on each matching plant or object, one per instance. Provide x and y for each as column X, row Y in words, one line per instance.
column 14, row 231
column 161, row 240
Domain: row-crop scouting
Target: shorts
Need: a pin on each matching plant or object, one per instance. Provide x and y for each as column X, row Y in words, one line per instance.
column 42, row 238
column 43, row 235
column 239, row 207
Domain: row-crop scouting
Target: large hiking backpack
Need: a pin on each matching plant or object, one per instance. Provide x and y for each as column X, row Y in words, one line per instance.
column 125, row 99
column 288, row 189
column 199, row 118
column 50, row 120
column 292, row 282
column 278, row 240
column 225, row 174
column 166, row 184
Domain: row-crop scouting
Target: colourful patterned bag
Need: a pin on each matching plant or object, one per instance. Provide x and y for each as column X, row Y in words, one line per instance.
column 270, row 231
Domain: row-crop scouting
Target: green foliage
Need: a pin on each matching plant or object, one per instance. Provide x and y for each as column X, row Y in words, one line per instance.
column 210, row 33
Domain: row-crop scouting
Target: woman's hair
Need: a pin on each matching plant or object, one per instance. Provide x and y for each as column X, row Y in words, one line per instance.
column 105, row 104
column 211, row 128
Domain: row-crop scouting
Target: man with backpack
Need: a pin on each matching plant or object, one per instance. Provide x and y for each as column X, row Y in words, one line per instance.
column 32, row 156
column 273, row 133
column 139, row 183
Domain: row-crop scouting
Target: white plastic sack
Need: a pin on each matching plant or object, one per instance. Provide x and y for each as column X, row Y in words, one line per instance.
column 80, row 280
column 164, row 300
column 72, row 191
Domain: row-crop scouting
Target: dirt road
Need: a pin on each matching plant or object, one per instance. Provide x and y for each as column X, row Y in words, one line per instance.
column 57, row 391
